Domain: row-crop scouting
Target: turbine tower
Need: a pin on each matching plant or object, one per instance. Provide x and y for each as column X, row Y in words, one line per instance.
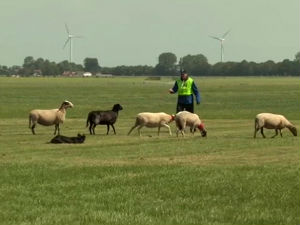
column 221, row 39
column 69, row 40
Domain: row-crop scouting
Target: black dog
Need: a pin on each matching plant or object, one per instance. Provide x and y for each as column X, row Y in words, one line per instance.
column 59, row 139
column 108, row 117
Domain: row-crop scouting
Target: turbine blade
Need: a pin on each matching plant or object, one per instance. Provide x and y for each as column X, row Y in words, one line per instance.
column 226, row 33
column 66, row 42
column 216, row 38
column 67, row 29
column 78, row 36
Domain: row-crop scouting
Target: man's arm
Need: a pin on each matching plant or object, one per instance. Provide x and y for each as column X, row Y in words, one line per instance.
column 174, row 89
column 196, row 93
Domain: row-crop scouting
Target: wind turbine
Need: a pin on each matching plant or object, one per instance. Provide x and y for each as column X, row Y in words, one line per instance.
column 221, row 39
column 69, row 39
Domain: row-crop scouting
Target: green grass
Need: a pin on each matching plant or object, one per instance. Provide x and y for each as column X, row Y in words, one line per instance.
column 226, row 178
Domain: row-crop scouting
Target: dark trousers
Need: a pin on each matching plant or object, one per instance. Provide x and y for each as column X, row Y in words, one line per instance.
column 185, row 107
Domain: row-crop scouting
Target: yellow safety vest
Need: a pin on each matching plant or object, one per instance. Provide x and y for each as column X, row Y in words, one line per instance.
column 185, row 87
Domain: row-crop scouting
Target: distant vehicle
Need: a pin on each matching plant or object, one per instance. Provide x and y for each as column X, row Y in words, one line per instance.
column 87, row 74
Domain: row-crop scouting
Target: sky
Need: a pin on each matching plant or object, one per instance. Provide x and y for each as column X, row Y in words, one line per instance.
column 136, row 32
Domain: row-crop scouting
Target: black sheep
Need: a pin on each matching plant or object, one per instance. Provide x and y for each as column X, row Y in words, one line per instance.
column 59, row 139
column 107, row 118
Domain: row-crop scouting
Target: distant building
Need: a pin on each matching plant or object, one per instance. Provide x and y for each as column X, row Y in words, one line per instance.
column 87, row 74
column 69, row 74
column 37, row 73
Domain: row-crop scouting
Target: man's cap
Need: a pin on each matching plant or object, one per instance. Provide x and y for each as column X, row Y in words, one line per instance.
column 182, row 72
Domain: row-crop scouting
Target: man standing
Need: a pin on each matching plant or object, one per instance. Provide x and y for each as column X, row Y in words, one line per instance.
column 186, row 88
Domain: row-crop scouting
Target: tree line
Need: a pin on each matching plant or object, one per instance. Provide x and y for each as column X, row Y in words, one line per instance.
column 168, row 65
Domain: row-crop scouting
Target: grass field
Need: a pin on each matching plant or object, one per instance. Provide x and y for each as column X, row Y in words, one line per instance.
column 226, row 178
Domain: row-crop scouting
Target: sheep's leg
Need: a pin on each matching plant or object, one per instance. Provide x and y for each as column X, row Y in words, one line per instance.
column 139, row 130
column 255, row 131
column 94, row 126
column 32, row 129
column 167, row 126
column 113, row 128
column 158, row 131
column 132, row 129
column 262, row 132
column 280, row 132
column 56, row 129
column 183, row 129
column 107, row 125
column 182, row 133
column 255, row 128
column 90, row 128
column 193, row 129
column 276, row 133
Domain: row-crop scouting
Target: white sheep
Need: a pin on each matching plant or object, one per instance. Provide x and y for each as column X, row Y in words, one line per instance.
column 272, row 121
column 49, row 117
column 149, row 119
column 192, row 120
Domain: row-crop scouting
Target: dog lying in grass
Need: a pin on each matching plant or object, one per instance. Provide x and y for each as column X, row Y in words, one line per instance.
column 59, row 139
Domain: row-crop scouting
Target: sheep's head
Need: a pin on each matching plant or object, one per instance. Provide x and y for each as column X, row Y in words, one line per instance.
column 202, row 130
column 172, row 117
column 293, row 130
column 67, row 104
column 117, row 107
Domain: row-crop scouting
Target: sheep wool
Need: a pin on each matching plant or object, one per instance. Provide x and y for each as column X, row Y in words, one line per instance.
column 272, row 121
column 49, row 117
column 192, row 120
column 149, row 119
column 107, row 117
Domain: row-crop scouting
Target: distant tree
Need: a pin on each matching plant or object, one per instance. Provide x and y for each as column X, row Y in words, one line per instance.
column 167, row 58
column 268, row 68
column 28, row 66
column 229, row 68
column 4, row 70
column 38, row 64
column 76, row 67
column 166, row 64
column 216, row 69
column 242, row 69
column 296, row 64
column 107, row 70
column 49, row 68
column 14, row 70
column 285, row 67
column 91, row 65
column 195, row 64
column 66, row 66
column 28, row 61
